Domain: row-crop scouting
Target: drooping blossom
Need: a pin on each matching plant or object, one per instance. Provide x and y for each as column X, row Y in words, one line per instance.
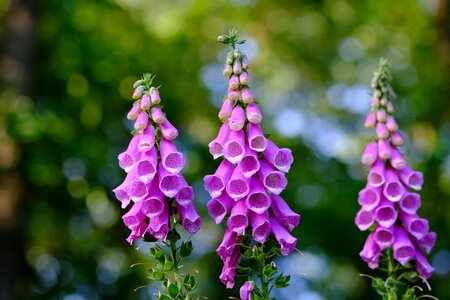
column 247, row 183
column 389, row 203
column 154, row 184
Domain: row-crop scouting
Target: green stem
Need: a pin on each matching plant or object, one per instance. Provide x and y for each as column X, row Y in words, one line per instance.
column 264, row 280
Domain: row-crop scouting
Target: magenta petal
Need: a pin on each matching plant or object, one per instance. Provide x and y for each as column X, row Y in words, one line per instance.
column 168, row 131
column 410, row 203
column 157, row 115
column 397, row 139
column 369, row 197
column 282, row 158
column 137, row 232
column 131, row 155
column 391, row 124
column 286, row 241
column 370, row 154
column 238, row 220
column 137, row 189
column 172, row 160
column 249, row 164
column 371, row 120
column 145, row 169
column 216, row 146
column 364, row 219
column 284, row 213
column 229, row 268
column 273, row 180
column 246, row 290
column 376, row 176
column 134, row 112
column 185, row 195
column 147, row 140
column 246, row 95
column 237, row 187
column 159, row 225
column 234, row 148
column 423, row 266
column 385, row 214
column 260, row 226
column 393, row 189
column 233, row 82
column 228, row 244
column 154, row 96
column 411, row 178
column 237, row 119
column 189, row 217
column 216, row 183
column 141, row 121
column 403, row 248
column 382, row 131
column 384, row 237
column 218, row 208
column 416, row 226
column 384, row 149
column 170, row 184
column 225, row 110
column 397, row 160
column 428, row 241
column 155, row 202
column 134, row 216
column 255, row 138
column 253, row 113
column 145, row 101
column 121, row 192
column 257, row 199
column 371, row 252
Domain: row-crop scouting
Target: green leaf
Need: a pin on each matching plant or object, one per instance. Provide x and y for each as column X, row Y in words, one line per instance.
column 410, row 276
column 270, row 270
column 189, row 282
column 172, row 290
column 378, row 286
column 186, row 249
column 282, row 281
column 168, row 264
column 163, row 297
column 155, row 274
column 158, row 254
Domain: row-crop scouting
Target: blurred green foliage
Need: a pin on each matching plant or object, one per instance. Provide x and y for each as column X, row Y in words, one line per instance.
column 312, row 62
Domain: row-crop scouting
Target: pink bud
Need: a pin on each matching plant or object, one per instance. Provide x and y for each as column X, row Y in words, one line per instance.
column 138, row 92
column 145, row 102
column 381, row 115
column 225, row 110
column 370, row 120
column 233, row 82
column 390, row 107
column 375, row 102
column 134, row 112
column 227, row 70
column 245, row 62
column 384, row 149
column 233, row 95
column 391, row 124
column 154, row 96
column 247, row 95
column 382, row 131
column 397, row 139
column 244, row 78
column 141, row 121
column 157, row 115
column 237, row 67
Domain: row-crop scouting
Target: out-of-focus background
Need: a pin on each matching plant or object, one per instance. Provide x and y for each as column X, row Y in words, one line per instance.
column 67, row 71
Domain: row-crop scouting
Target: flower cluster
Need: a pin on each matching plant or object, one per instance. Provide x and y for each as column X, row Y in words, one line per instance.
column 389, row 206
column 153, row 164
column 248, row 181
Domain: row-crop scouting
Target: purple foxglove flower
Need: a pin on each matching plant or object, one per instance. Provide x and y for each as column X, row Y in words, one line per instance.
column 245, row 62
column 376, row 176
column 375, row 102
column 216, row 183
column 154, row 96
column 131, row 155
column 172, row 160
column 134, row 217
column 170, row 184
column 228, row 244
column 145, row 102
column 403, row 248
column 382, row 131
column 216, row 145
column 391, row 124
column 381, row 115
column 364, row 219
column 233, row 95
column 137, row 190
column 282, row 158
column 227, row 70
column 168, row 131
column 255, row 137
column 145, row 169
column 238, row 219
column 390, row 107
column 234, row 149
column 237, row 119
column 155, row 202
column 233, row 82
column 138, row 92
column 284, row 213
column 159, row 225
column 253, row 114
column 384, row 149
column 225, row 110
column 147, row 140
column 246, row 290
column 157, row 115
column 393, row 189
column 260, row 226
column 370, row 154
column 141, row 121
column 371, row 120
column 134, row 111
column 244, row 78
column 384, row 237
column 257, row 199
column 185, row 195
column 237, row 67
column 397, row 139
column 249, row 164
column 397, row 160
column 410, row 203
column 273, row 180
column 411, row 178
column 371, row 252
column 369, row 197
column 237, row 187
column 121, row 192
column 229, row 268
column 247, row 95
column 423, row 266
column 137, row 232
column 385, row 214
column 416, row 226
column 189, row 217
column 286, row 241
column 218, row 207
column 428, row 241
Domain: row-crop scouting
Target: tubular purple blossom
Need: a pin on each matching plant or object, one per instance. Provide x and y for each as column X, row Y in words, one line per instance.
column 255, row 138
column 216, row 146
column 157, row 115
column 286, row 241
column 216, row 183
column 237, row 119
column 245, row 290
column 168, row 131
column 225, row 110
column 253, row 113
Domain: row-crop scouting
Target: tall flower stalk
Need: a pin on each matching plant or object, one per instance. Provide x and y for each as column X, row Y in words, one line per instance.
column 247, row 185
column 160, row 197
column 398, row 238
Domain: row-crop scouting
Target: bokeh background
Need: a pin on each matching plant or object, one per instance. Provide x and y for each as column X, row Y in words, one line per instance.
column 67, row 71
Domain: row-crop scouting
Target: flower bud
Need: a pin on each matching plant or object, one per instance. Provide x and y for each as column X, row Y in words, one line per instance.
column 141, row 121
column 224, row 39
column 383, row 101
column 157, row 115
column 237, row 67
column 138, row 83
column 230, row 58
column 233, row 95
column 138, row 92
column 154, row 96
column 370, row 120
column 227, row 70
column 237, row 53
column 390, row 107
column 233, row 82
column 245, row 62
column 145, row 101
column 381, row 115
column 247, row 95
column 244, row 78
column 134, row 112
column 375, row 102
column 397, row 139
